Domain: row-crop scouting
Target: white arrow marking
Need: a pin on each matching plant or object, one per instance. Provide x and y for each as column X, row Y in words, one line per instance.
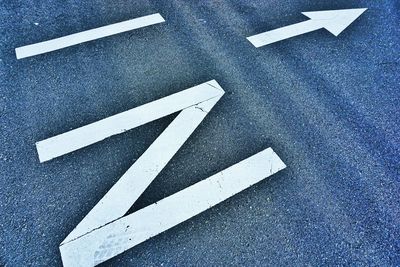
column 335, row 21
column 85, row 36
column 104, row 232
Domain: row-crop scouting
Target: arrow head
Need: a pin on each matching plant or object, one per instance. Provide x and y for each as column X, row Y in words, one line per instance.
column 335, row 21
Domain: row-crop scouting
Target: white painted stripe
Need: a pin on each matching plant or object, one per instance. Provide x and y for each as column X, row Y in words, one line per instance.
column 73, row 140
column 118, row 236
column 85, row 36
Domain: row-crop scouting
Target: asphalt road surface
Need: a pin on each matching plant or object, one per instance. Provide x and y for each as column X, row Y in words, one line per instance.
column 329, row 107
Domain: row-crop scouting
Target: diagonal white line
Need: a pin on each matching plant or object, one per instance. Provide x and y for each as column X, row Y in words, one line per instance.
column 132, row 184
column 85, row 36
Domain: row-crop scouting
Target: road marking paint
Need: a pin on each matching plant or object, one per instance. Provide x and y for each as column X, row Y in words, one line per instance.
column 122, row 234
column 104, row 232
column 335, row 21
column 85, row 36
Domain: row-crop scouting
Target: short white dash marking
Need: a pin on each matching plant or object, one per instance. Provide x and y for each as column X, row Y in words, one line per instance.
column 85, row 36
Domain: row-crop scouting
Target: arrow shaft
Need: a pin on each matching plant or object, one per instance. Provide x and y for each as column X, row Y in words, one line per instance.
column 283, row 33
